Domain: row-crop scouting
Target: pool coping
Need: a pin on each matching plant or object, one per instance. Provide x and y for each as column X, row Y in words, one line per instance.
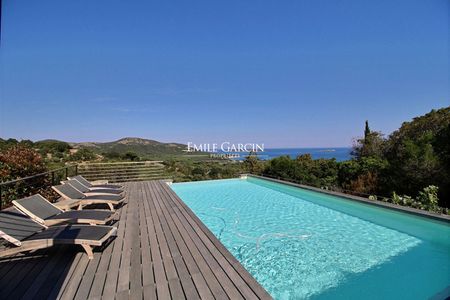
column 405, row 209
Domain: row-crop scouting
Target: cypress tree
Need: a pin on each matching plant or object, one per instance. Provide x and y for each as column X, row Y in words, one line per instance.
column 366, row 130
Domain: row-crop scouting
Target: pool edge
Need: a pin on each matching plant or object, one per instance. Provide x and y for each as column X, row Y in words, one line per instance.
column 405, row 209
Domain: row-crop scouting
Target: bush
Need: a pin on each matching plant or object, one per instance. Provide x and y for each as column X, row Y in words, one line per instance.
column 429, row 197
column 20, row 161
column 131, row 156
column 83, row 154
column 319, row 172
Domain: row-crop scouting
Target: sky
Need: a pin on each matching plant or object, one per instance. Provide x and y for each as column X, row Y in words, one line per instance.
column 302, row 73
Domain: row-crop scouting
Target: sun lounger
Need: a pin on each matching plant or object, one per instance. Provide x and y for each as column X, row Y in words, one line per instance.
column 95, row 186
column 44, row 212
column 85, row 190
column 24, row 234
column 69, row 192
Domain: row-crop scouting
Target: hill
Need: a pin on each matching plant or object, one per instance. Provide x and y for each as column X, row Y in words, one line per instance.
column 142, row 147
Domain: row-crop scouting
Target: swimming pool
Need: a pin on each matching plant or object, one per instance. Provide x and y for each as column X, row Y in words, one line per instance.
column 303, row 244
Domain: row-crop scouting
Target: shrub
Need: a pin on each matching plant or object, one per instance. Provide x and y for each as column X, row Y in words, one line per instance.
column 131, row 156
column 20, row 161
column 83, row 154
column 428, row 197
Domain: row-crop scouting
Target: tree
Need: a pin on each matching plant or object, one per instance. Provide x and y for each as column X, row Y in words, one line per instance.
column 131, row 156
column 372, row 145
column 366, row 130
column 418, row 156
column 252, row 164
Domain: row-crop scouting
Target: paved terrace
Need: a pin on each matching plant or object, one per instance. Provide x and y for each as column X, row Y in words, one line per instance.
column 162, row 251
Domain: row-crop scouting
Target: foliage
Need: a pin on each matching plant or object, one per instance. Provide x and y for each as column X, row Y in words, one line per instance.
column 429, row 197
column 426, row 199
column 82, row 154
column 187, row 170
column 361, row 175
column 51, row 146
column 20, row 161
column 144, row 148
column 319, row 172
column 116, row 156
column 372, row 145
column 252, row 164
column 131, row 156
column 418, row 156
column 53, row 152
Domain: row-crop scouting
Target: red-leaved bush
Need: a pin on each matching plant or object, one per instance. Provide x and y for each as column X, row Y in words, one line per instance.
column 20, row 161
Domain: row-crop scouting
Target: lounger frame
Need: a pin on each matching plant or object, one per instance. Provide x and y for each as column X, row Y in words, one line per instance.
column 24, row 246
column 84, row 202
column 120, row 186
column 47, row 223
column 92, row 192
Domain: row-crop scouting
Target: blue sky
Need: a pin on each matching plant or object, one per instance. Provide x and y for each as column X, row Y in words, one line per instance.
column 283, row 73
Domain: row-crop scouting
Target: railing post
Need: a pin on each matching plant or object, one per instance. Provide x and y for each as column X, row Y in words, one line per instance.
column 53, row 177
column 1, row 199
column 67, row 173
column 76, row 169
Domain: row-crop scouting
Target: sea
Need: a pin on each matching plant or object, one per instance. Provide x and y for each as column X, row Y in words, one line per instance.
column 340, row 153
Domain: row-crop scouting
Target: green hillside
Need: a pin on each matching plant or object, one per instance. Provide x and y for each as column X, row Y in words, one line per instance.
column 139, row 146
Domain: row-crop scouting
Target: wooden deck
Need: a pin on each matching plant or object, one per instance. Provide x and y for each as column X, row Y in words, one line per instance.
column 162, row 251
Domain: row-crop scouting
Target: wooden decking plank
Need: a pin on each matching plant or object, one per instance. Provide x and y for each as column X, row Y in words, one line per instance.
column 21, row 271
column 162, row 287
column 191, row 264
column 147, row 265
column 219, row 273
column 72, row 286
column 107, row 262
column 131, row 234
column 122, row 295
column 176, row 291
column 109, row 289
column 182, row 270
column 61, row 284
column 136, row 293
column 205, row 272
column 26, row 275
column 100, row 276
column 85, row 285
column 136, row 264
column 44, row 272
column 150, row 292
column 169, row 266
column 8, row 264
column 56, row 277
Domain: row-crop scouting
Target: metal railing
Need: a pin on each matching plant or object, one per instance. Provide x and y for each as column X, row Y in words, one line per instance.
column 39, row 183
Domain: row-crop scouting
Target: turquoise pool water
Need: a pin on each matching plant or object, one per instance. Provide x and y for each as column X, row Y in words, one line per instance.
column 301, row 244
